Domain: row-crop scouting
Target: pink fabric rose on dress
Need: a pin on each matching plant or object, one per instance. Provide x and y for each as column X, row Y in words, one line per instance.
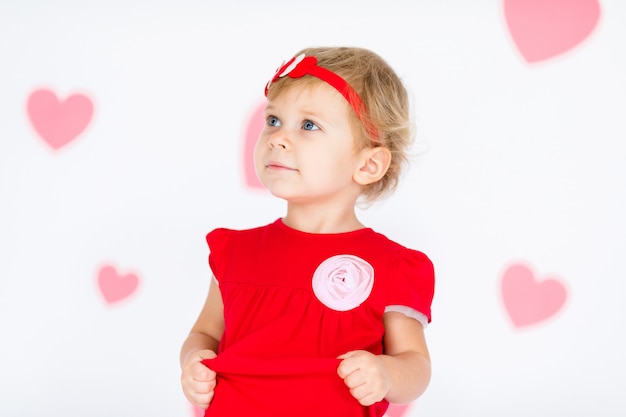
column 343, row 282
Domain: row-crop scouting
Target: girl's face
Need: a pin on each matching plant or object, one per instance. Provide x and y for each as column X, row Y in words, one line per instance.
column 306, row 152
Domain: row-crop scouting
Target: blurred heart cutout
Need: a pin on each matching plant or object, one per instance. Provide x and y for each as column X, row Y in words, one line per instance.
column 255, row 125
column 196, row 411
column 114, row 286
column 397, row 410
column 58, row 122
column 542, row 29
column 530, row 301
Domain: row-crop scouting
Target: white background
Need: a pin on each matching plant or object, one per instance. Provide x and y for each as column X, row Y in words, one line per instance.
column 516, row 163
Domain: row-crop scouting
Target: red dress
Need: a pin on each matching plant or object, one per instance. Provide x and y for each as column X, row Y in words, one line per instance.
column 293, row 302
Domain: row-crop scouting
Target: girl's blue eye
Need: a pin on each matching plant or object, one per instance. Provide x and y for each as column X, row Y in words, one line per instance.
column 309, row 125
column 273, row 121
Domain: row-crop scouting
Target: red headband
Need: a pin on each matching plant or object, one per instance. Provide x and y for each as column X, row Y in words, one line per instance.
column 302, row 65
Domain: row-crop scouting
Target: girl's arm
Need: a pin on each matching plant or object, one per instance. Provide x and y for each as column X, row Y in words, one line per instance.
column 406, row 357
column 198, row 381
column 400, row 375
column 209, row 326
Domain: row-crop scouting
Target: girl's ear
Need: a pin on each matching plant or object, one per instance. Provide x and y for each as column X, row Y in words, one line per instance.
column 374, row 166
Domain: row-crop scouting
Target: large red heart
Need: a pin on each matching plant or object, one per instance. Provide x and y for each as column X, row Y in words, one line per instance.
column 58, row 122
column 542, row 29
column 527, row 300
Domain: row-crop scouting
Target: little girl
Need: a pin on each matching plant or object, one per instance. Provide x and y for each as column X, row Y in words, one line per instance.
column 315, row 314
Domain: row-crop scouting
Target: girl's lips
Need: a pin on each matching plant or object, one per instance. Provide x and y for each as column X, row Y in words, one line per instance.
column 278, row 166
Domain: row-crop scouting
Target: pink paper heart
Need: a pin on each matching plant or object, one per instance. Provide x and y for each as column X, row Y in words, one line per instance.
column 196, row 411
column 58, row 122
column 527, row 300
column 397, row 410
column 542, row 29
column 114, row 286
column 256, row 122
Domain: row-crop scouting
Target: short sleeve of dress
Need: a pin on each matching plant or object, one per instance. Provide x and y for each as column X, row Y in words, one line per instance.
column 411, row 285
column 218, row 241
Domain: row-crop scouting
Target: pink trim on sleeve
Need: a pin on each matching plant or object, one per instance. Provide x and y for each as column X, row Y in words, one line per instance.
column 409, row 312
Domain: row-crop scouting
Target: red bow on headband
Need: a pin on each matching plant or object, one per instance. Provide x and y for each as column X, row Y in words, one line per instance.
column 302, row 65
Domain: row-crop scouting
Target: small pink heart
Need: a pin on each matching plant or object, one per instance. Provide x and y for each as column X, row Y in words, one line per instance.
column 114, row 286
column 254, row 128
column 397, row 410
column 527, row 300
column 542, row 29
column 58, row 122
column 197, row 411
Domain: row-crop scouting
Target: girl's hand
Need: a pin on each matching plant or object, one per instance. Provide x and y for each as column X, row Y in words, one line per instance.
column 365, row 375
column 197, row 380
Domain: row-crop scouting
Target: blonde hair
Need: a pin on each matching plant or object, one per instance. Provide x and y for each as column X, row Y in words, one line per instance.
column 385, row 99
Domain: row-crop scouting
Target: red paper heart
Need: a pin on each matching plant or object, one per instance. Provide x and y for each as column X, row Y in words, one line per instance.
column 114, row 286
column 542, row 29
column 527, row 300
column 58, row 122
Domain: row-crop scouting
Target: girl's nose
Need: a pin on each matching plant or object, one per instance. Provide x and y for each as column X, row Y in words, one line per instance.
column 279, row 139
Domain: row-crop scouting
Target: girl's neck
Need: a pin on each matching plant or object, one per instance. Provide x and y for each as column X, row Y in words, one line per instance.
column 316, row 220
